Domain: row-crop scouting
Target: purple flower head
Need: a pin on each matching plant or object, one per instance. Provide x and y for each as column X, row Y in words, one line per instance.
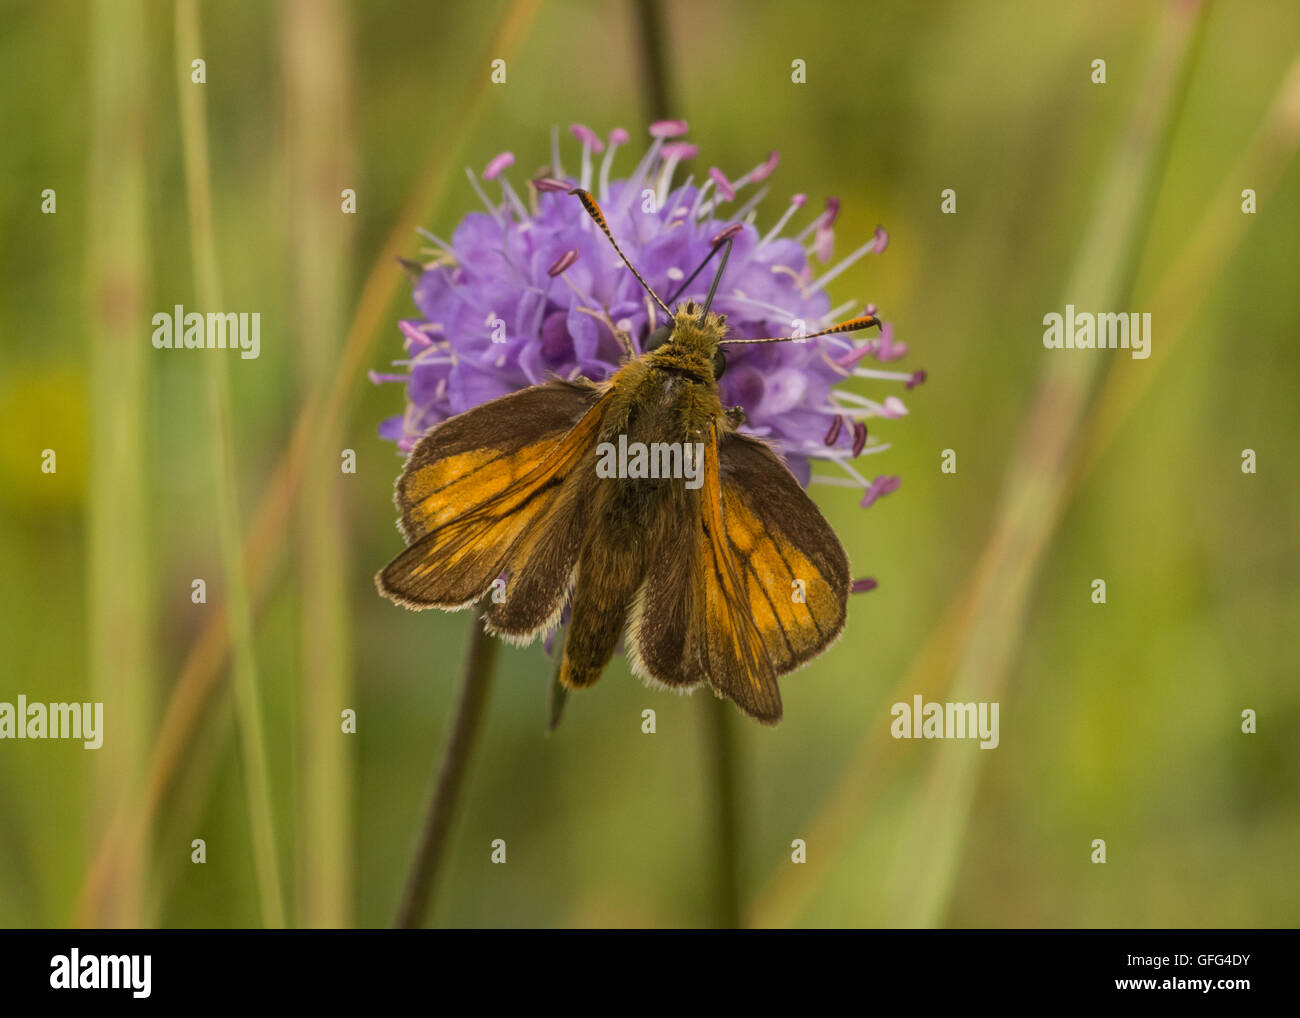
column 530, row 288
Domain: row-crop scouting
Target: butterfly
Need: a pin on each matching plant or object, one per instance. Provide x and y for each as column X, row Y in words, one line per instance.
column 720, row 572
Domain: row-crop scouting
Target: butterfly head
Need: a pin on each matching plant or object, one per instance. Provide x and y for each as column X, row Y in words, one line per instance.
column 691, row 341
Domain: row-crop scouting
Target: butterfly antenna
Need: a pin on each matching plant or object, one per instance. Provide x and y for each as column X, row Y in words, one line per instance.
column 717, row 246
column 852, row 325
column 593, row 210
column 717, row 278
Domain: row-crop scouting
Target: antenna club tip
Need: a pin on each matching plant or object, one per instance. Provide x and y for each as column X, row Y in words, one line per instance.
column 865, row 321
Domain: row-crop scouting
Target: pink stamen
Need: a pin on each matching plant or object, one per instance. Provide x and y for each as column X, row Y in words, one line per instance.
column 796, row 203
column 879, row 488
column 724, row 185
column 766, row 169
column 856, row 354
column 551, row 184
column 917, row 378
column 502, row 162
column 837, row 425
column 415, row 339
column 563, row 262
column 588, row 137
column 887, row 350
column 824, row 245
column 727, row 231
column 617, row 138
column 859, row 437
column 863, row 585
column 668, row 128
column 679, row 150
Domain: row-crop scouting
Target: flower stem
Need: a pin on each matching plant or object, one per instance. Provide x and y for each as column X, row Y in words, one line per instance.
column 656, row 93
column 431, row 849
column 720, row 750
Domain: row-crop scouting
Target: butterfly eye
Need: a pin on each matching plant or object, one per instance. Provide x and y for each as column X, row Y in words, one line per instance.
column 719, row 365
column 658, row 338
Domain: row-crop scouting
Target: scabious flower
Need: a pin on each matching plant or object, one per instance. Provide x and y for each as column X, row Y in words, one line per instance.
column 529, row 288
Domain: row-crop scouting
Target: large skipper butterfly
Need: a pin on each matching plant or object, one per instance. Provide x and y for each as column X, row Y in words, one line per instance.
column 637, row 502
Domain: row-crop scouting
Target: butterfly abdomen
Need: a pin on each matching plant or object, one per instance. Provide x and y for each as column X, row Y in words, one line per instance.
column 611, row 566
column 633, row 516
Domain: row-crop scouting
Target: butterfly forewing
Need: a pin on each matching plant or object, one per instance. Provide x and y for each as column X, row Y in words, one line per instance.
column 480, row 489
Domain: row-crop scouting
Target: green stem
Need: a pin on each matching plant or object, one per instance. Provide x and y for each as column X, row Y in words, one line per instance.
column 121, row 635
column 431, row 849
column 720, row 749
column 314, row 45
column 656, row 93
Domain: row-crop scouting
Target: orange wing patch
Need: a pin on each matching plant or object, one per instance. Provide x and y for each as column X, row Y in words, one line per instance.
column 734, row 651
column 794, row 570
column 469, row 503
column 794, row 606
column 438, row 492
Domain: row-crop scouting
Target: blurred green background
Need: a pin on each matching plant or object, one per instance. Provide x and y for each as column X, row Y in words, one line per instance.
column 1119, row 721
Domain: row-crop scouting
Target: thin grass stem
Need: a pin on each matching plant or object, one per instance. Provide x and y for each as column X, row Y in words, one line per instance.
column 257, row 780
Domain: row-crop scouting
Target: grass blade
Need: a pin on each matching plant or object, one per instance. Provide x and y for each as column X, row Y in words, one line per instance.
column 122, row 671
column 314, row 40
column 247, row 697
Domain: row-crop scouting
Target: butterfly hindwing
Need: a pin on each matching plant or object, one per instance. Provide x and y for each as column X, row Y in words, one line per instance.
column 722, row 604
column 731, row 644
column 793, row 568
column 691, row 623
